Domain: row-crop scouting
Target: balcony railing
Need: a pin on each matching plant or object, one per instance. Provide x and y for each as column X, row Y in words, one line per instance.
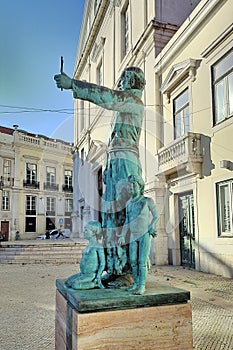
column 50, row 186
column 31, row 184
column 67, row 188
column 183, row 153
column 30, row 211
column 8, row 181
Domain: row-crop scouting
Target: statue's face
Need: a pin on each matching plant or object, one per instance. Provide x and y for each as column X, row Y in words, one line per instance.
column 88, row 232
column 135, row 189
column 125, row 81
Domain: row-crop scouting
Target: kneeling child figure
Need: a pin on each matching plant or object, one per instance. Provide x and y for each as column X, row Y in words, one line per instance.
column 92, row 263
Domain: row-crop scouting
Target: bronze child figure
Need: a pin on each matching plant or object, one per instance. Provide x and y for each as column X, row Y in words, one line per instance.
column 92, row 263
column 138, row 211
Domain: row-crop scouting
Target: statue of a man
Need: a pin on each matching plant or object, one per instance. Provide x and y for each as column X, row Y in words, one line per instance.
column 122, row 153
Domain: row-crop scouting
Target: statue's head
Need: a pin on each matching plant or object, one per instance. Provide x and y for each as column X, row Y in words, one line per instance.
column 132, row 78
column 139, row 180
column 94, row 227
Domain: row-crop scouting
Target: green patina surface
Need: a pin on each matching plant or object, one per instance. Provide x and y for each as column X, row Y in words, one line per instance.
column 95, row 300
column 125, row 214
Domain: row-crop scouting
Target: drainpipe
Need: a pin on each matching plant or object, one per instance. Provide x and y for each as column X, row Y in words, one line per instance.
column 158, row 115
column 145, row 115
column 114, row 43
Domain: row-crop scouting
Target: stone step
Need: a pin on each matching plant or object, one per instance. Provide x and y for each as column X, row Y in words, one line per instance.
column 41, row 252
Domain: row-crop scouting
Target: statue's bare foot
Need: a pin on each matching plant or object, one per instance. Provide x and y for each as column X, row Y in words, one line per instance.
column 141, row 290
column 69, row 281
column 132, row 287
column 100, row 285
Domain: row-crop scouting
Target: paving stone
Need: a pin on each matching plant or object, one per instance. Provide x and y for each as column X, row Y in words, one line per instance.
column 27, row 305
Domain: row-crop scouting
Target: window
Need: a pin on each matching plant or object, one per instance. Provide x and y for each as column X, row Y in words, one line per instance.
column 99, row 74
column 68, row 205
column 81, row 113
column 82, row 156
column 222, row 77
column 50, row 205
column 51, row 175
column 5, row 200
column 96, row 5
column 31, row 173
column 30, row 205
column 224, row 207
column 125, row 31
column 6, row 169
column 68, row 178
column 181, row 114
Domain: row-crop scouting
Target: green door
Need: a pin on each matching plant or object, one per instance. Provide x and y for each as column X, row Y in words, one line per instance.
column 187, row 229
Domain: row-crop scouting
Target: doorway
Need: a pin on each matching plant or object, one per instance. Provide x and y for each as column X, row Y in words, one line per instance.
column 187, row 229
column 5, row 230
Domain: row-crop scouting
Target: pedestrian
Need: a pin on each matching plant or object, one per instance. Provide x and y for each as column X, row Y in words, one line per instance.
column 17, row 236
column 60, row 233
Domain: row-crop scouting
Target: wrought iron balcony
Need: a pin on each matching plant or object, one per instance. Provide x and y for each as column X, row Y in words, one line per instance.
column 184, row 153
column 7, row 181
column 31, row 184
column 67, row 188
column 30, row 211
column 50, row 186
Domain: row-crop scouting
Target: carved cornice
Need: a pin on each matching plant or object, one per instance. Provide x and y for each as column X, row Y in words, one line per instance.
column 92, row 35
column 97, row 148
column 178, row 73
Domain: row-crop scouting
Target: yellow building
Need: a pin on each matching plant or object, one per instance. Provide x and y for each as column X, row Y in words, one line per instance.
column 114, row 35
column 36, row 181
column 195, row 160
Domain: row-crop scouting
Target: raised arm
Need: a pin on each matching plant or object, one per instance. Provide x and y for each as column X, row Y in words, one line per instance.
column 121, row 101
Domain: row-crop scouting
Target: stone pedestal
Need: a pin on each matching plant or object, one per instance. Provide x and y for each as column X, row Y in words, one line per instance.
column 116, row 319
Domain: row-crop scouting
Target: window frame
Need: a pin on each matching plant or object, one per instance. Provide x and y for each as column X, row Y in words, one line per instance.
column 68, row 205
column 182, row 109
column 99, row 73
column 49, row 177
column 68, row 179
column 224, row 77
column 7, row 169
column 125, row 30
column 30, row 177
column 51, row 205
column 220, row 207
column 30, row 205
column 5, row 200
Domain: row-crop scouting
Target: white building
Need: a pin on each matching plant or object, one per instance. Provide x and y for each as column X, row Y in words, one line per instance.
column 114, row 35
column 196, row 158
column 36, row 178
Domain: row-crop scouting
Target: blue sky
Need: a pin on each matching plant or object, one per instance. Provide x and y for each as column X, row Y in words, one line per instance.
column 33, row 37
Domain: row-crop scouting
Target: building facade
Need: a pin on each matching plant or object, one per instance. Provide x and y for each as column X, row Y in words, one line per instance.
column 186, row 144
column 116, row 34
column 195, row 161
column 36, row 180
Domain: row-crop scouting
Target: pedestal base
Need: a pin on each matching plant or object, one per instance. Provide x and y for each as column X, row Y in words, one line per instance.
column 115, row 319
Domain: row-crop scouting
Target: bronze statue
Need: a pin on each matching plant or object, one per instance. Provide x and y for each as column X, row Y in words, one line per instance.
column 93, row 261
column 122, row 155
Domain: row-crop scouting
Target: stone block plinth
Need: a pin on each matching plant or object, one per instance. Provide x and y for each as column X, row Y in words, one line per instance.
column 116, row 319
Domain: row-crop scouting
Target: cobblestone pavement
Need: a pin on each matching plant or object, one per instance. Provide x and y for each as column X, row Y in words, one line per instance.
column 212, row 305
column 27, row 305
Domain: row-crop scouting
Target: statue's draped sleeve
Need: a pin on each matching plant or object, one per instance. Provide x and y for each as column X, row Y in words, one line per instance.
column 121, row 101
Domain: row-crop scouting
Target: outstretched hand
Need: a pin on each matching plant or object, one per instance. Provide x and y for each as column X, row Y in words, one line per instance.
column 63, row 81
